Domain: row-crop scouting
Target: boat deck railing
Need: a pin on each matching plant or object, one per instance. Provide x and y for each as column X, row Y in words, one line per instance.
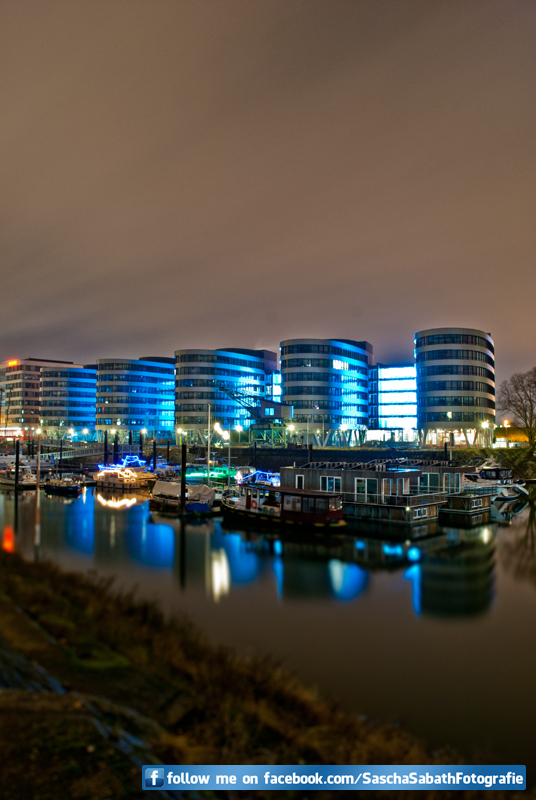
column 412, row 499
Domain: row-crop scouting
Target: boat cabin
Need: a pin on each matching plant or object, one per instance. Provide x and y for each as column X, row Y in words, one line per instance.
column 295, row 505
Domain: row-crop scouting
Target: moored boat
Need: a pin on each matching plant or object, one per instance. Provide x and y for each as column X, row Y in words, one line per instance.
column 119, row 478
column 26, row 478
column 274, row 506
column 166, row 498
column 67, row 485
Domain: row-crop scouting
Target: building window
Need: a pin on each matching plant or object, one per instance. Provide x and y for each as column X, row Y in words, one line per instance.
column 330, row 484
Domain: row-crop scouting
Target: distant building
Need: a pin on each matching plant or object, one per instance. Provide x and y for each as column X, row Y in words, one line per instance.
column 20, row 393
column 135, row 395
column 202, row 374
column 326, row 381
column 68, row 400
column 393, row 403
column 455, row 386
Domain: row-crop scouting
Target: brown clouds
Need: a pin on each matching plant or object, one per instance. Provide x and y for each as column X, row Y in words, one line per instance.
column 220, row 172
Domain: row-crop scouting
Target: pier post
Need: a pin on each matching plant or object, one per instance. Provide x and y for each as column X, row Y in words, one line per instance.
column 183, row 477
column 17, row 459
column 38, row 465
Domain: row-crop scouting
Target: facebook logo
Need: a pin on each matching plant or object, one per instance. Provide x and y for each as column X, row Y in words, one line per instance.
column 154, row 777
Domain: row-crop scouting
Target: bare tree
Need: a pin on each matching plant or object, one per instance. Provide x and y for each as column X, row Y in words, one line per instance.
column 517, row 396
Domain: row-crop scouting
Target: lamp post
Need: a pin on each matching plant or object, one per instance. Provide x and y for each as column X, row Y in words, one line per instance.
column 239, row 428
column 209, row 437
column 289, row 428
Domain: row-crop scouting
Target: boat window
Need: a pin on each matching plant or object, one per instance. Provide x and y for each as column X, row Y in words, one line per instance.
column 299, row 482
column 308, row 505
column 321, row 505
column 330, row 484
column 335, row 503
column 292, row 503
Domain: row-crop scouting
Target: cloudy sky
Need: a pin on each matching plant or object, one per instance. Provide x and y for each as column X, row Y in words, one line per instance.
column 181, row 173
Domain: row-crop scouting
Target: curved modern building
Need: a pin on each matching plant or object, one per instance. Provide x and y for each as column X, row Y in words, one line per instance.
column 68, row 401
column 135, row 395
column 455, row 385
column 20, row 393
column 326, row 381
column 198, row 375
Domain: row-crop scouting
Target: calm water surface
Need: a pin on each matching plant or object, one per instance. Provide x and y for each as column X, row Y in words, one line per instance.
column 442, row 641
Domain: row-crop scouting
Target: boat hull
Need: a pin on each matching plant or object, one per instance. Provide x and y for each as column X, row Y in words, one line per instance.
column 259, row 519
column 66, row 491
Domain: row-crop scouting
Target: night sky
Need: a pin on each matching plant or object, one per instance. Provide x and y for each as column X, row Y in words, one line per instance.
column 236, row 172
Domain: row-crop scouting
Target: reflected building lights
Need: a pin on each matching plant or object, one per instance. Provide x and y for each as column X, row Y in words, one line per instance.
column 125, row 502
column 220, row 574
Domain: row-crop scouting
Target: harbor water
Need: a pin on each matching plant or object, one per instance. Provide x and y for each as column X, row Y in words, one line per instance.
column 434, row 634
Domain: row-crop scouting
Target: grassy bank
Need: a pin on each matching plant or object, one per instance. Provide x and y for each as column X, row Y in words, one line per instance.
column 143, row 687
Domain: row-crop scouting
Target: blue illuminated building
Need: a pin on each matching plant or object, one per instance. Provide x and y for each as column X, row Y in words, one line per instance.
column 200, row 373
column 135, row 395
column 326, row 381
column 393, row 402
column 68, row 399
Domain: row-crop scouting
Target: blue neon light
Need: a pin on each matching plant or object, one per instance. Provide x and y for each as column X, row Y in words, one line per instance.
column 413, row 554
column 359, row 545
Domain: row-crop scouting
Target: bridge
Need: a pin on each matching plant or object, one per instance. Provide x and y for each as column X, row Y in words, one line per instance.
column 74, row 450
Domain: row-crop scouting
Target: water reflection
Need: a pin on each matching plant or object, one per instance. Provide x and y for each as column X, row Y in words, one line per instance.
column 518, row 552
column 459, row 581
column 450, row 569
column 320, row 603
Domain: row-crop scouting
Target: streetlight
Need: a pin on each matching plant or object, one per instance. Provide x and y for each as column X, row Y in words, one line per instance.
column 239, row 428
column 226, row 436
column 71, row 431
column 290, row 429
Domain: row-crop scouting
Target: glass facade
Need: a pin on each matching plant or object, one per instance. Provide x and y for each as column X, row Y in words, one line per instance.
column 20, row 392
column 136, row 395
column 393, row 401
column 455, row 386
column 200, row 376
column 68, row 401
column 326, row 381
